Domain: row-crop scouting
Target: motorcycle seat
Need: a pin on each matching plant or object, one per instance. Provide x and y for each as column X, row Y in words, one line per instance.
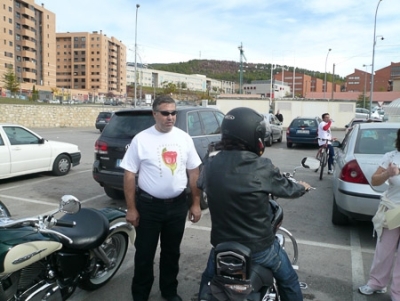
column 90, row 231
column 260, row 277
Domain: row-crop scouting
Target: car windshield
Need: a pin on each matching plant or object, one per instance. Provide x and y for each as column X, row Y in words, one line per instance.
column 128, row 125
column 375, row 141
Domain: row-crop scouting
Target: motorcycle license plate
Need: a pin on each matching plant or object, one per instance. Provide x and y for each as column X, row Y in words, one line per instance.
column 303, row 132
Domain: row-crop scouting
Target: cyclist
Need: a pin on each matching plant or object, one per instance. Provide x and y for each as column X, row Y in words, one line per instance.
column 324, row 132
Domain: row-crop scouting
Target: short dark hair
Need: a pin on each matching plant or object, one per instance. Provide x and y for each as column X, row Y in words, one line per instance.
column 323, row 115
column 162, row 99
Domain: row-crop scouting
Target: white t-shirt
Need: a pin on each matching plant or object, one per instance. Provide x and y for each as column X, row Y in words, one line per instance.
column 322, row 134
column 162, row 159
column 393, row 192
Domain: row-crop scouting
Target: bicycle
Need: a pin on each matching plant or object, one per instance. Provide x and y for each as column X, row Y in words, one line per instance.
column 322, row 156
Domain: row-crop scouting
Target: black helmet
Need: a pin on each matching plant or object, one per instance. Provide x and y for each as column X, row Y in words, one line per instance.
column 246, row 126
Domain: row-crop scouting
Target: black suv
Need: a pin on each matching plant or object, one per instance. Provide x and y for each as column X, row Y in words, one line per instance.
column 102, row 120
column 201, row 123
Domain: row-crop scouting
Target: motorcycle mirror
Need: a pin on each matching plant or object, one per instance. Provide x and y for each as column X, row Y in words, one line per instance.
column 69, row 204
column 4, row 213
column 309, row 162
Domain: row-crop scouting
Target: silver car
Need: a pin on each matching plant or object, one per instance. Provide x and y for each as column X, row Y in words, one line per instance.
column 357, row 158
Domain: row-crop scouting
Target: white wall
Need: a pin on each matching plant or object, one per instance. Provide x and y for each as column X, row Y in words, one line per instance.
column 340, row 111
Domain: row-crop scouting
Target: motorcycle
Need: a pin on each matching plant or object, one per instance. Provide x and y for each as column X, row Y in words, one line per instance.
column 47, row 258
column 236, row 277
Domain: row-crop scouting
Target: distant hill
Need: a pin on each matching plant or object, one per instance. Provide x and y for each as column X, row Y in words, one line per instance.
column 229, row 70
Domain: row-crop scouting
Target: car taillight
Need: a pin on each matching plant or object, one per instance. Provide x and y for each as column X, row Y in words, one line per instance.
column 288, row 131
column 108, row 119
column 100, row 147
column 352, row 173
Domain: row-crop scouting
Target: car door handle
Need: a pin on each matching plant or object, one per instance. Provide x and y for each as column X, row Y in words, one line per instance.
column 16, row 148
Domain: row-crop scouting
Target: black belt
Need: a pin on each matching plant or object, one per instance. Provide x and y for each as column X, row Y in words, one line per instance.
column 145, row 195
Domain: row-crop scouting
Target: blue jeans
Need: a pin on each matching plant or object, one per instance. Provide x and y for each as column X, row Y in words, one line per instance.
column 274, row 258
column 331, row 155
column 164, row 221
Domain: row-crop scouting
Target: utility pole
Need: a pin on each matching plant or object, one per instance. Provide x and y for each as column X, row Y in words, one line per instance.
column 241, row 68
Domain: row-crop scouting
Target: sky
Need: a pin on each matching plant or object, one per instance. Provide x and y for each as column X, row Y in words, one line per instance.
column 286, row 32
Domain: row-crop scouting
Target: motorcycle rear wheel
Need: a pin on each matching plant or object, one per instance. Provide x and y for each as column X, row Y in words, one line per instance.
column 115, row 246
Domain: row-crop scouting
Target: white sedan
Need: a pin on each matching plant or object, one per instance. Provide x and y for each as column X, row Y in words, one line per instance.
column 25, row 152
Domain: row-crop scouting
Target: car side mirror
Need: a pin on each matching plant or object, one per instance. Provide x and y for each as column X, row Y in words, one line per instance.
column 336, row 143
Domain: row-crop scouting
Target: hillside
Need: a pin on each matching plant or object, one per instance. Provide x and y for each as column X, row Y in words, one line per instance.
column 228, row 70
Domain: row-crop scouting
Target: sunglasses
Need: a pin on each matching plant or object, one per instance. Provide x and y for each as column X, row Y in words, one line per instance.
column 167, row 113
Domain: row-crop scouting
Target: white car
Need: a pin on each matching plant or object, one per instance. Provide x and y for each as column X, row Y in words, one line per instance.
column 25, row 152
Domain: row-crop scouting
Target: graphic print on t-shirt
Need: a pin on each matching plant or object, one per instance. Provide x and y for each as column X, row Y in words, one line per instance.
column 169, row 159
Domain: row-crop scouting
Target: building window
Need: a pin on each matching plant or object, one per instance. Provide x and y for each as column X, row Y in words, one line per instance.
column 11, row 43
column 10, row 20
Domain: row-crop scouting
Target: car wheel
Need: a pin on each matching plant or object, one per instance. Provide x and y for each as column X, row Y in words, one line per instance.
column 280, row 138
column 61, row 165
column 268, row 142
column 114, row 193
column 338, row 218
column 289, row 144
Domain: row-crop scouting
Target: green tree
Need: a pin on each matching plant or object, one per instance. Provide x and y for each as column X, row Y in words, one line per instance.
column 35, row 94
column 361, row 103
column 11, row 81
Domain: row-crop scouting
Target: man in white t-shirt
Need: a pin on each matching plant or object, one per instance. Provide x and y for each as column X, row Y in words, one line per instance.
column 324, row 133
column 165, row 157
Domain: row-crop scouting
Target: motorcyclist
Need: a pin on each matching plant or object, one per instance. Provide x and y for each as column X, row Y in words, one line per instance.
column 238, row 181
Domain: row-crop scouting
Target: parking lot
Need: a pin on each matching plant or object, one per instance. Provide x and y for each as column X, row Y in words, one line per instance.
column 333, row 261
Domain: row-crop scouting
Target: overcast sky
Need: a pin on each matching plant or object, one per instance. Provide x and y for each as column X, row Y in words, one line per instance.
column 285, row 32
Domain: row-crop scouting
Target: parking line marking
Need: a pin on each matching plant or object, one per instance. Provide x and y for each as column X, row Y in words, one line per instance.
column 357, row 267
column 28, row 200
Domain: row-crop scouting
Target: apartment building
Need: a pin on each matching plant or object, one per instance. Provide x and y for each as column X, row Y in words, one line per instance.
column 27, row 38
column 91, row 61
column 195, row 82
column 383, row 79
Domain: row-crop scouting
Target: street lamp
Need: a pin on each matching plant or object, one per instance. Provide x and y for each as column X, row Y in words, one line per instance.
column 270, row 87
column 137, row 8
column 365, row 82
column 326, row 60
column 371, row 95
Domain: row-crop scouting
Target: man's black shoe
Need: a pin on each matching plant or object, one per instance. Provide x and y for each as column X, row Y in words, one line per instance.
column 173, row 298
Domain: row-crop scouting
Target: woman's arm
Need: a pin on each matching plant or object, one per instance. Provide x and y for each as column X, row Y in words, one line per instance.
column 381, row 175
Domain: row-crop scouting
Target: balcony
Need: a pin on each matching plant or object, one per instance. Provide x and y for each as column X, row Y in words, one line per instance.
column 28, row 22
column 28, row 64
column 28, row 43
column 28, row 54
column 27, row 11
column 28, row 75
column 28, row 33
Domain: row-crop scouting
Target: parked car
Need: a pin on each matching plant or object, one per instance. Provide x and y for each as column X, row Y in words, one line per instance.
column 102, row 120
column 362, row 113
column 274, row 131
column 201, row 123
column 357, row 158
column 303, row 130
column 25, row 152
column 355, row 121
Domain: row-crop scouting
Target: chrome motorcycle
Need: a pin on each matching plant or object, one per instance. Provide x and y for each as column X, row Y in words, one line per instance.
column 236, row 277
column 47, row 258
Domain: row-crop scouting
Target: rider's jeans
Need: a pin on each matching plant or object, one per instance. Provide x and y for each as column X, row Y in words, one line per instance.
column 274, row 258
column 331, row 155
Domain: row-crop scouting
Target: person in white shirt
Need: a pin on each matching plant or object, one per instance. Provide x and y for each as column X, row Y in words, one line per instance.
column 386, row 264
column 324, row 133
column 165, row 157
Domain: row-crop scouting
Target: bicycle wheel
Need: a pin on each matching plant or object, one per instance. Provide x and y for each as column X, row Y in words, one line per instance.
column 323, row 161
column 318, row 157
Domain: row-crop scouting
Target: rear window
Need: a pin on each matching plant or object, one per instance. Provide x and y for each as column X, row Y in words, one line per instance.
column 104, row 115
column 304, row 123
column 375, row 141
column 126, row 126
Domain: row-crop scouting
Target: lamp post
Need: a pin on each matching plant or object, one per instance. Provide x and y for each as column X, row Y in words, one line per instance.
column 270, row 87
column 137, row 8
column 326, row 60
column 365, row 82
column 371, row 95
column 294, row 82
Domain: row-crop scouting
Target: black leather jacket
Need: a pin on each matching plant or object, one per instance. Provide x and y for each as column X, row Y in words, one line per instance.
column 237, row 184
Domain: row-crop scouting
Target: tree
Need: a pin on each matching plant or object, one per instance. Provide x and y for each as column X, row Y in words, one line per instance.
column 11, row 81
column 35, row 94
